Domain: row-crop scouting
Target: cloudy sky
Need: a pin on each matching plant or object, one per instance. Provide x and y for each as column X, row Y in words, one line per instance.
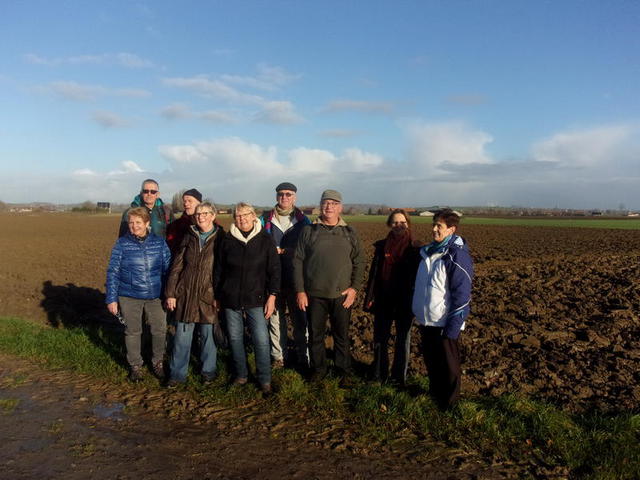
column 533, row 103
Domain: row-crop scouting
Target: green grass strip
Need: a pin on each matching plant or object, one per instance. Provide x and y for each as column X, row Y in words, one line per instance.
column 508, row 427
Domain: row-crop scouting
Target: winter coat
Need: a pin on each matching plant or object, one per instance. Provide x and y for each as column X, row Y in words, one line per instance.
column 400, row 286
column 176, row 232
column 286, row 240
column 161, row 216
column 443, row 286
column 247, row 270
column 190, row 280
column 137, row 268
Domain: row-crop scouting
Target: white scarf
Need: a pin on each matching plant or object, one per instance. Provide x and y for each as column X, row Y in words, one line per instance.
column 235, row 231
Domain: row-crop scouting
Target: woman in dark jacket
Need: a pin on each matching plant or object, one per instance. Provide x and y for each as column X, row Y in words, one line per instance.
column 138, row 264
column 389, row 294
column 247, row 280
column 189, row 294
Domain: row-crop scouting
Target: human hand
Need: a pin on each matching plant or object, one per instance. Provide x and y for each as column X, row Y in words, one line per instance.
column 113, row 308
column 270, row 306
column 302, row 300
column 349, row 298
column 171, row 303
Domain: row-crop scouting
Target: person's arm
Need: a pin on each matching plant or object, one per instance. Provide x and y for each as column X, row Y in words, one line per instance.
column 113, row 276
column 357, row 271
column 172, row 279
column 298, row 269
column 459, row 282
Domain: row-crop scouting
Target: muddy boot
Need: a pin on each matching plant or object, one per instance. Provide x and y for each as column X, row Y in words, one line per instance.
column 158, row 370
column 136, row 374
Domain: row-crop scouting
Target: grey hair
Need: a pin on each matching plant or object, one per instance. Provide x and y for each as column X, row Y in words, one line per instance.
column 149, row 180
column 243, row 205
column 209, row 205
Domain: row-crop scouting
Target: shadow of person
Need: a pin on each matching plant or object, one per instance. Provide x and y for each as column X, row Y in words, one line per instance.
column 70, row 306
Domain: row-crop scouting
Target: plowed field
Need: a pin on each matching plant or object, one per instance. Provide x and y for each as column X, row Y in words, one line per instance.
column 554, row 310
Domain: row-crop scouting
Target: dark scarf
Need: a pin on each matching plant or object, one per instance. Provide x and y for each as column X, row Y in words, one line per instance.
column 394, row 248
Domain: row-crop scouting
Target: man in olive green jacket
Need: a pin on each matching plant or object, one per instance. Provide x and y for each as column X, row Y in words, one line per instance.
column 328, row 272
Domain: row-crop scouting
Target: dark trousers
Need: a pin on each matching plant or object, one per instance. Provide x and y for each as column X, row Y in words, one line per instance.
column 317, row 312
column 384, row 317
column 442, row 358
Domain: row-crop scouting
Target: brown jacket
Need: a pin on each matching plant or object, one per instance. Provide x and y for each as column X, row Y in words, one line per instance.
column 190, row 280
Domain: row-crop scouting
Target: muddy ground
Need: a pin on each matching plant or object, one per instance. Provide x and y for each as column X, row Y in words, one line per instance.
column 554, row 310
column 58, row 425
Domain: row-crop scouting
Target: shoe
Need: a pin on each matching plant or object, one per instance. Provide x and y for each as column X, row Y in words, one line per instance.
column 277, row 364
column 240, row 381
column 158, row 370
column 136, row 374
column 317, row 376
column 266, row 389
column 347, row 381
column 210, row 378
column 173, row 383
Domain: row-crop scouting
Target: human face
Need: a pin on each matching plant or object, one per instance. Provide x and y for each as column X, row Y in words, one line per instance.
column 441, row 231
column 204, row 219
column 137, row 226
column 149, row 198
column 330, row 210
column 399, row 224
column 190, row 203
column 244, row 219
column 286, row 199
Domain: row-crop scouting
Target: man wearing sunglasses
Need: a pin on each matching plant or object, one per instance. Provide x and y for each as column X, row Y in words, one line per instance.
column 284, row 223
column 149, row 197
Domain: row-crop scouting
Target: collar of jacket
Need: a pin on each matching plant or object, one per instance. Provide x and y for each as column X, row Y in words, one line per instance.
column 341, row 222
column 196, row 231
column 434, row 247
column 137, row 202
column 237, row 234
column 268, row 218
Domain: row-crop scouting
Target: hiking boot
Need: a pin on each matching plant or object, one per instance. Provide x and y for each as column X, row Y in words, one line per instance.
column 266, row 389
column 136, row 374
column 173, row 384
column 277, row 364
column 158, row 370
column 208, row 378
column 240, row 381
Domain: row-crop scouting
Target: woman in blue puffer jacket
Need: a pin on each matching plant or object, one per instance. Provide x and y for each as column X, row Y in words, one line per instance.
column 135, row 277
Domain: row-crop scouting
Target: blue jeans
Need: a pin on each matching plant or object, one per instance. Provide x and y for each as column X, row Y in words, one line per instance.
column 260, row 335
column 182, row 349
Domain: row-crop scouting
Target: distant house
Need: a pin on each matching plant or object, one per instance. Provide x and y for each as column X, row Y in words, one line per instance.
column 310, row 210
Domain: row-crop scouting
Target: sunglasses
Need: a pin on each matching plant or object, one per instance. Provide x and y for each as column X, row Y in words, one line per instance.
column 152, row 192
column 285, row 194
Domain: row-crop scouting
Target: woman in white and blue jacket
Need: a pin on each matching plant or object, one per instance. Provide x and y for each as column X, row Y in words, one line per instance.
column 441, row 301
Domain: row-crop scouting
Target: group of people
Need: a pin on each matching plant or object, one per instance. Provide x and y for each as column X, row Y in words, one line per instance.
column 281, row 267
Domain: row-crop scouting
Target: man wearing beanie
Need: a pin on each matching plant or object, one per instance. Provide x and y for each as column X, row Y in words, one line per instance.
column 149, row 198
column 328, row 272
column 178, row 228
column 284, row 223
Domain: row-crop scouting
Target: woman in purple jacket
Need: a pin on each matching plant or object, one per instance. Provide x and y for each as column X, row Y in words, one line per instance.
column 137, row 268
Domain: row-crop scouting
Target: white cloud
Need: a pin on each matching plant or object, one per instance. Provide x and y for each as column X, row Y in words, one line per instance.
column 588, row 147
column 122, row 59
column 355, row 160
column 340, row 133
column 213, row 88
column 278, row 112
column 84, row 171
column 432, row 145
column 346, row 105
column 309, row 160
column 85, row 93
column 109, row 119
column 176, row 111
column 269, row 78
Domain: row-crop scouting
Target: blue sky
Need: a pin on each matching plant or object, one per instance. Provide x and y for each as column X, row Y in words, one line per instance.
column 403, row 103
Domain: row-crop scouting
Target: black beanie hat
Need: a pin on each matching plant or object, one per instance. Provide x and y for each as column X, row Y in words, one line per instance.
column 192, row 192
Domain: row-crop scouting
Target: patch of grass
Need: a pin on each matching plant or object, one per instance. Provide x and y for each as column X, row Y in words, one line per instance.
column 8, row 405
column 615, row 223
column 507, row 428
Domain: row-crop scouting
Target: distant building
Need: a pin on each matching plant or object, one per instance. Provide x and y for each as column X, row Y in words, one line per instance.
column 104, row 206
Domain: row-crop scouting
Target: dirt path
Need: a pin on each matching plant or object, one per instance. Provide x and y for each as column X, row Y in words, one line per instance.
column 58, row 425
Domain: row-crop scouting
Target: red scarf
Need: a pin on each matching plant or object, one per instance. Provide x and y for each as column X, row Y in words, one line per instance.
column 394, row 248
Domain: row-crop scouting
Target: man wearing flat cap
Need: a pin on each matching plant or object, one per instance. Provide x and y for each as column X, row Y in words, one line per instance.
column 328, row 272
column 178, row 228
column 284, row 223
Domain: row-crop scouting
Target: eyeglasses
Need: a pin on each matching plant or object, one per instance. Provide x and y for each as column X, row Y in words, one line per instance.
column 285, row 194
column 329, row 203
column 152, row 192
column 203, row 214
column 243, row 215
